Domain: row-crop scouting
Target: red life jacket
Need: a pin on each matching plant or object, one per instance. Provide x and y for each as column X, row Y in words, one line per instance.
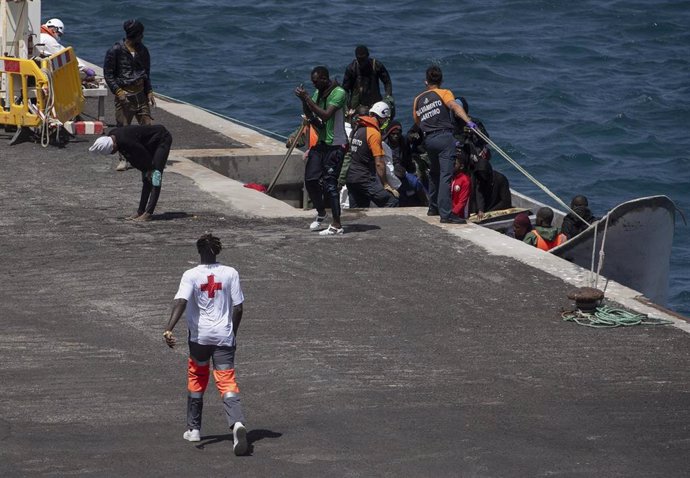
column 545, row 245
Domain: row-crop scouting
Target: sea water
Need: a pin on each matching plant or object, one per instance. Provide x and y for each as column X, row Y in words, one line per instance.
column 591, row 97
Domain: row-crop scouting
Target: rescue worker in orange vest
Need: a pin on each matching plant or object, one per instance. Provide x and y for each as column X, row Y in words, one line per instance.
column 544, row 236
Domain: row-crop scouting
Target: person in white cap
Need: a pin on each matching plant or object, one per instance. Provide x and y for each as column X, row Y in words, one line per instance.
column 366, row 178
column 146, row 147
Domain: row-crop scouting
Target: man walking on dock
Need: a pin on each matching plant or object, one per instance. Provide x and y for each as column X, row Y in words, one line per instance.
column 215, row 298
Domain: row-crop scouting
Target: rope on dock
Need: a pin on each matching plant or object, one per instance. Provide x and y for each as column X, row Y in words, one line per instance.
column 609, row 317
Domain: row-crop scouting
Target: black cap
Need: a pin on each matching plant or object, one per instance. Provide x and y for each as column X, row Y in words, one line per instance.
column 133, row 28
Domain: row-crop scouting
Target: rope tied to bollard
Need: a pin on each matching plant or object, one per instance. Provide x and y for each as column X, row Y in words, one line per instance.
column 609, row 317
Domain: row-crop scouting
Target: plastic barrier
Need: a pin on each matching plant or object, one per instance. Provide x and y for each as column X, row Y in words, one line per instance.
column 54, row 86
column 84, row 127
column 23, row 82
column 68, row 98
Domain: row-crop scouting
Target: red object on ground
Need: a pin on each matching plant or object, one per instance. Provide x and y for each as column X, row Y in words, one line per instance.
column 258, row 187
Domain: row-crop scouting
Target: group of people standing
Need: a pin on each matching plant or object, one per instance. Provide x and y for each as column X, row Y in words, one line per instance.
column 355, row 142
column 440, row 163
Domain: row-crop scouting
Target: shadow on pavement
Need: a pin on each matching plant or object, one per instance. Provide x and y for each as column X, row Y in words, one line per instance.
column 349, row 228
column 252, row 437
column 169, row 216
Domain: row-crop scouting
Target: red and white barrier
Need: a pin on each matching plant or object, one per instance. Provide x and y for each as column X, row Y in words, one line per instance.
column 84, row 127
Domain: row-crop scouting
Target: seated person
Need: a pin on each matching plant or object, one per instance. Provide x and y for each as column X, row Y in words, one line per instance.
column 500, row 196
column 49, row 44
column 544, row 236
column 415, row 140
column 460, row 187
column 521, row 226
column 49, row 39
column 411, row 191
column 491, row 190
column 573, row 225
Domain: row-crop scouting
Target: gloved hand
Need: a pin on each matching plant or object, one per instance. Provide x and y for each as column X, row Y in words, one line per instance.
column 471, row 125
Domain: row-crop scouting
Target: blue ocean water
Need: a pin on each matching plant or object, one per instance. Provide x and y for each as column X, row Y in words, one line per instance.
column 591, row 97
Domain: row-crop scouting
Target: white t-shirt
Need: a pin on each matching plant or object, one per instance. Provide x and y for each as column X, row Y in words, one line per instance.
column 211, row 291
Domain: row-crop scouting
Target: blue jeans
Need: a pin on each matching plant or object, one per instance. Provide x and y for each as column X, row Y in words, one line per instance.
column 441, row 150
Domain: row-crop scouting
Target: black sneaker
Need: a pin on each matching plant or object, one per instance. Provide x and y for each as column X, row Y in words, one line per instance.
column 432, row 212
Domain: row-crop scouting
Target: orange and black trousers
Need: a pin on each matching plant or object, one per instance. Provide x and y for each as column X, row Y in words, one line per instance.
column 198, row 371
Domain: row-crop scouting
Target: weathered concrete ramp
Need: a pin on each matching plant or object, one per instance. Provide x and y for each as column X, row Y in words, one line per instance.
column 395, row 350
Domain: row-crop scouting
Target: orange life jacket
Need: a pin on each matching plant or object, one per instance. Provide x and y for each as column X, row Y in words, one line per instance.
column 48, row 31
column 545, row 245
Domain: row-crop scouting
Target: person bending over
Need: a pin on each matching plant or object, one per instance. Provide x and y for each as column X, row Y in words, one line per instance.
column 146, row 147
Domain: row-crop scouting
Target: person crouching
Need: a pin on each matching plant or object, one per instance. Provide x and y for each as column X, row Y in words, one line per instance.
column 366, row 177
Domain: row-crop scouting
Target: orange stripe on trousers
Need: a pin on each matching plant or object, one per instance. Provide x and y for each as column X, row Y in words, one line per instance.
column 225, row 381
column 197, row 376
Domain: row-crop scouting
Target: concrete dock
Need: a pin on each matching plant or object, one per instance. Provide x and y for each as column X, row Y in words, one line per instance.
column 401, row 348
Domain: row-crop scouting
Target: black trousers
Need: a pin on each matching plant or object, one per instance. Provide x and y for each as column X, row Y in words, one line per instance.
column 321, row 177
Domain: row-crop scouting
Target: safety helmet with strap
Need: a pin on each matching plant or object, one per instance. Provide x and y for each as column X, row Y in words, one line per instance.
column 57, row 24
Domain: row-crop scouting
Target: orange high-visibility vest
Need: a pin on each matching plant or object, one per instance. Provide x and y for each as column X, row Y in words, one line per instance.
column 545, row 245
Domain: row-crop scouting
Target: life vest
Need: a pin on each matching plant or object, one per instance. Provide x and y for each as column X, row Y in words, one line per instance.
column 48, row 31
column 545, row 245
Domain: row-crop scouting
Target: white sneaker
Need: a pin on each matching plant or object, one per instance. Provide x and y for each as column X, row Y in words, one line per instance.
column 192, row 435
column 317, row 225
column 332, row 231
column 239, row 435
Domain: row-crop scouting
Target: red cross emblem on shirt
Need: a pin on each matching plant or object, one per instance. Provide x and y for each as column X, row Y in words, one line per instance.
column 211, row 287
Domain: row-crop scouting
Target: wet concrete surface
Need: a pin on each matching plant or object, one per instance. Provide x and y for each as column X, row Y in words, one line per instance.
column 396, row 349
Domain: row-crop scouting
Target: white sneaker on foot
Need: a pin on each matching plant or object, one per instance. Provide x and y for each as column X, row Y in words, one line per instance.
column 192, row 435
column 332, row 231
column 317, row 225
column 239, row 435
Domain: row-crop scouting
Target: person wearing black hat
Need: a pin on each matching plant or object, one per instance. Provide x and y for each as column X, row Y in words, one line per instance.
column 127, row 71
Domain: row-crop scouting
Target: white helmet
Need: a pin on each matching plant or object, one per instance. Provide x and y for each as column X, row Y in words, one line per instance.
column 381, row 109
column 57, row 24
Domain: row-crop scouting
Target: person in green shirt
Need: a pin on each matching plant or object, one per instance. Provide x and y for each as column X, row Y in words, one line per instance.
column 325, row 111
